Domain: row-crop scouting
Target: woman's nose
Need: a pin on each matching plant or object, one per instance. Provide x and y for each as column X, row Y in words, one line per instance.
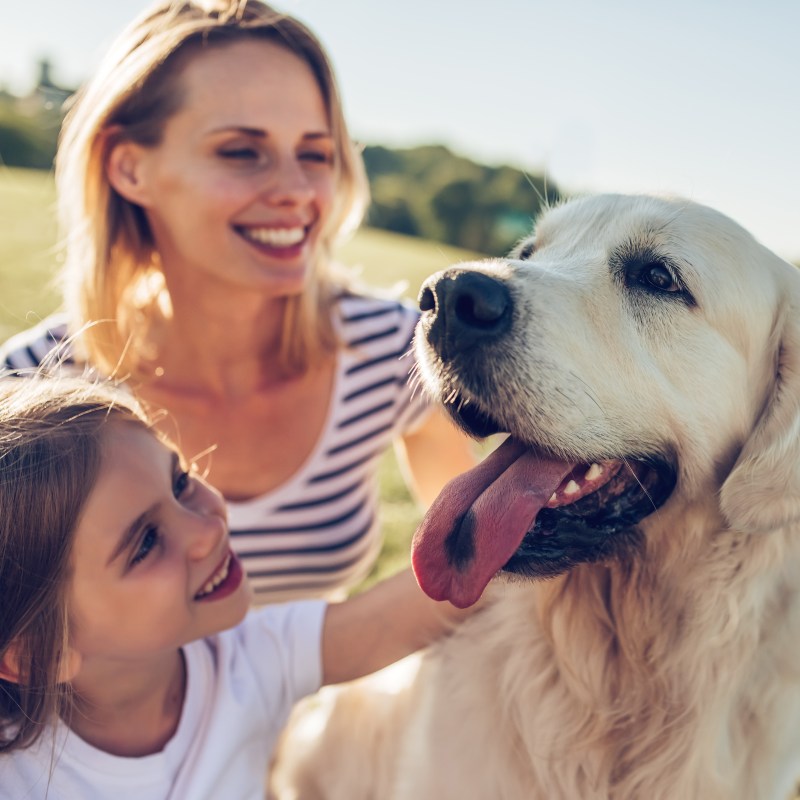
column 289, row 184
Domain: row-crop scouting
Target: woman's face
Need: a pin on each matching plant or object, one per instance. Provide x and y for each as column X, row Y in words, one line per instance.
column 242, row 182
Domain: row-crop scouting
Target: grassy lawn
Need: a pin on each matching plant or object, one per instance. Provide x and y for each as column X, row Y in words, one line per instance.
column 29, row 259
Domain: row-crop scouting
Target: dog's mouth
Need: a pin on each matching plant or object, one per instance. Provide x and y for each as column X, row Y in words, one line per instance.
column 526, row 511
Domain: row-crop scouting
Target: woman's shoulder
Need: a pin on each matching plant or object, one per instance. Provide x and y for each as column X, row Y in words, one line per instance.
column 45, row 344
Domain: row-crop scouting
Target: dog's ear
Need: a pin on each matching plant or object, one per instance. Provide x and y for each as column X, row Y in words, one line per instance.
column 762, row 492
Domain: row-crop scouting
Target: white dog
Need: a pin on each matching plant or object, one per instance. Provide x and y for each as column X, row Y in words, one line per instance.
column 644, row 355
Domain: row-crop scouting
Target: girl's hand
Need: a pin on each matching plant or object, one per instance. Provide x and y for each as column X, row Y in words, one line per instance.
column 384, row 624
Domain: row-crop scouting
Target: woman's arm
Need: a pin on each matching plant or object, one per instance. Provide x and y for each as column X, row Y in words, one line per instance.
column 380, row 626
column 433, row 454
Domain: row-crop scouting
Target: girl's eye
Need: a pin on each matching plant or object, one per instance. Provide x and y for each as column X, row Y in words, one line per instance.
column 181, row 483
column 150, row 539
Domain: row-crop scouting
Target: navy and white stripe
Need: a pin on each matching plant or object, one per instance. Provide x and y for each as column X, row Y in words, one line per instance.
column 318, row 533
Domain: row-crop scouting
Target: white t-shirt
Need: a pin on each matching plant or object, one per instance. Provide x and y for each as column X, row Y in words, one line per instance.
column 240, row 687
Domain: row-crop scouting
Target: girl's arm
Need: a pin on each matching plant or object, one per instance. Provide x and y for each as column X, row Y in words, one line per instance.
column 433, row 454
column 387, row 622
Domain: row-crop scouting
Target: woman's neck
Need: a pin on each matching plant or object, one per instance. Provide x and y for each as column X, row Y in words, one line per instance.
column 219, row 349
column 130, row 713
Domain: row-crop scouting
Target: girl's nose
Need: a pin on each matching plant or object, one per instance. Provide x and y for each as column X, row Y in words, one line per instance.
column 209, row 524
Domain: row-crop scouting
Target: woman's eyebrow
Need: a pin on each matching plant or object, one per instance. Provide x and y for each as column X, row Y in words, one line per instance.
column 257, row 133
column 260, row 133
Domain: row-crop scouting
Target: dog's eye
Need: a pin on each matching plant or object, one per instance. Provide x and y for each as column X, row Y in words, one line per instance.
column 657, row 276
column 526, row 251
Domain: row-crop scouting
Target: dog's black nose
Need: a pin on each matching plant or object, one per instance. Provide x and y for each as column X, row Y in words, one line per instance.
column 462, row 309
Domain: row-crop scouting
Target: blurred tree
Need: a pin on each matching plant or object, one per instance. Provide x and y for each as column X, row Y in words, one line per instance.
column 25, row 141
column 391, row 209
column 445, row 197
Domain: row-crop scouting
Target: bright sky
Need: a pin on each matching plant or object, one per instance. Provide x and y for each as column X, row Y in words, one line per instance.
column 690, row 97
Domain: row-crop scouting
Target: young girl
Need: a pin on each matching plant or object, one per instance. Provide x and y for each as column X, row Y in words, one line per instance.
column 129, row 664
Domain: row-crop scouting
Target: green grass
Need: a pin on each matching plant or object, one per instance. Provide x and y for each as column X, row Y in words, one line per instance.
column 29, row 261
column 27, row 248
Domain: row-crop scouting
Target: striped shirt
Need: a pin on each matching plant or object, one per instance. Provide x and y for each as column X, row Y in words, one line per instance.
column 319, row 532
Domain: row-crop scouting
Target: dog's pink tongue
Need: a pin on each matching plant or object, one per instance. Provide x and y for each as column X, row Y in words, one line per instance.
column 479, row 520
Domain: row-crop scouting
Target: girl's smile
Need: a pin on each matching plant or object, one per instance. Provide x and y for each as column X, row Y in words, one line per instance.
column 225, row 580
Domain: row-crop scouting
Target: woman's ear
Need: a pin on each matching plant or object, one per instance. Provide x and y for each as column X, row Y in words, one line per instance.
column 124, row 170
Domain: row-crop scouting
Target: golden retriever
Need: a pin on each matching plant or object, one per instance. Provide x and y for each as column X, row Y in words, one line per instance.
column 641, row 640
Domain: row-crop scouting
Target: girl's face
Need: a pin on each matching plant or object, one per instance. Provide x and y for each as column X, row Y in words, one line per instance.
column 243, row 180
column 152, row 567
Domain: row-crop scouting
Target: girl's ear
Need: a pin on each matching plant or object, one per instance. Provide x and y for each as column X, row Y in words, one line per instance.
column 125, row 173
column 10, row 670
column 9, row 664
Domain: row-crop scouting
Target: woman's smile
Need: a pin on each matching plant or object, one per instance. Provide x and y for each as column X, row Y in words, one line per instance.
column 277, row 242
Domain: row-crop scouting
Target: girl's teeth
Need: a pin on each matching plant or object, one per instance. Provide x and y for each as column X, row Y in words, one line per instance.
column 217, row 579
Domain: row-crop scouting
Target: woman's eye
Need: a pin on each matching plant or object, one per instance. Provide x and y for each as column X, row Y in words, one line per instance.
column 317, row 157
column 149, row 540
column 239, row 153
column 658, row 277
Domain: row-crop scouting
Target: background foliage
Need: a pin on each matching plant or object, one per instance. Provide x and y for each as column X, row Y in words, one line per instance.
column 431, row 192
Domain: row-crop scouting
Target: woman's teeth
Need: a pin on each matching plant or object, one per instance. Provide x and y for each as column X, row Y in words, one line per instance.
column 275, row 237
column 216, row 579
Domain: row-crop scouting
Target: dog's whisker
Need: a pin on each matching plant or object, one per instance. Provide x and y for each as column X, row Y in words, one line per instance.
column 641, row 485
column 587, row 391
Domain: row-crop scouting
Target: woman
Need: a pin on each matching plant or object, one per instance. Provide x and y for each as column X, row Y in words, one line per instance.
column 205, row 173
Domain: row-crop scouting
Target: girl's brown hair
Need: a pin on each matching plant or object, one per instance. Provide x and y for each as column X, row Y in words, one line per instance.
column 50, row 451
column 111, row 271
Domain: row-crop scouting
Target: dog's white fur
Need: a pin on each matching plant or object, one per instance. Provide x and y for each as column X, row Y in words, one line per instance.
column 670, row 674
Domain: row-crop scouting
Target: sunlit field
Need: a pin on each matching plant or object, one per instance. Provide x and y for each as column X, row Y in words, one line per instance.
column 29, row 258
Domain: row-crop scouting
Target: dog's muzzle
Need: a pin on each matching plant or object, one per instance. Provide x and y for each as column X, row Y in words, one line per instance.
column 463, row 309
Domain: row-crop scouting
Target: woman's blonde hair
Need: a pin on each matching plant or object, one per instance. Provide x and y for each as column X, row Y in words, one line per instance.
column 111, row 264
column 50, row 453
